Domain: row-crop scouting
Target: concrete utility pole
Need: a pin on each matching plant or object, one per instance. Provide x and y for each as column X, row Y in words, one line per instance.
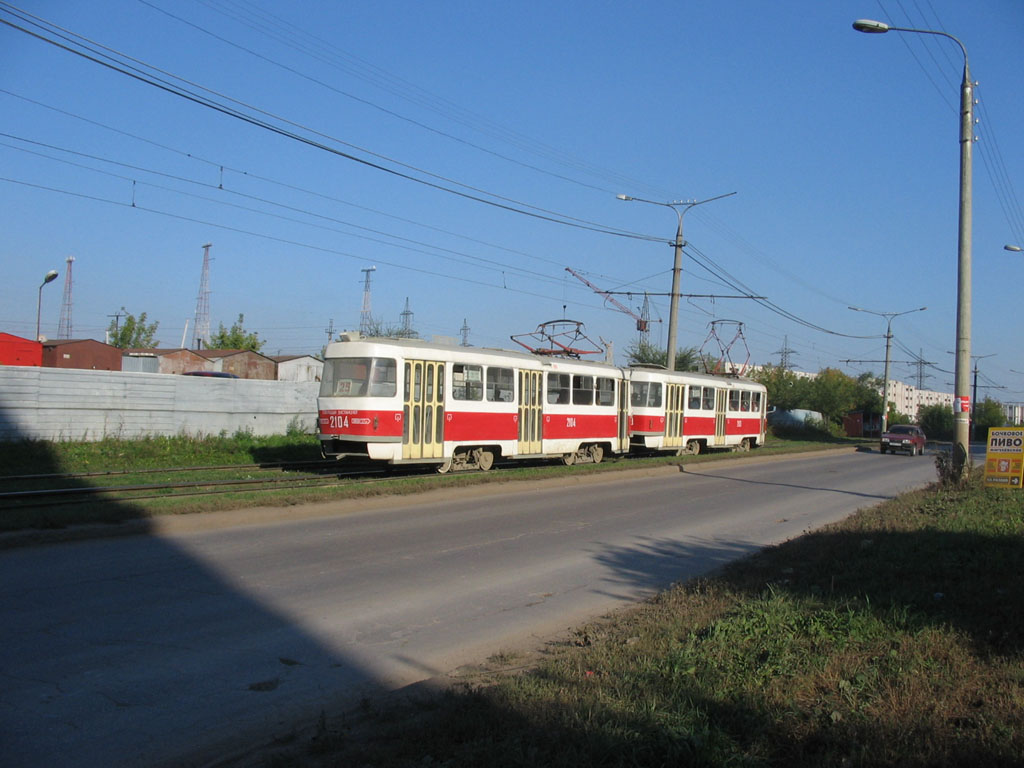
column 680, row 207
column 961, row 383
column 888, row 344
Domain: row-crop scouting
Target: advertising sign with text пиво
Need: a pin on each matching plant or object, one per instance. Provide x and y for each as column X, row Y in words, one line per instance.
column 1004, row 457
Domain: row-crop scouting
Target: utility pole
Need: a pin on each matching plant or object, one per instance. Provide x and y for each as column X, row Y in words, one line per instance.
column 888, row 343
column 329, row 330
column 974, row 393
column 680, row 207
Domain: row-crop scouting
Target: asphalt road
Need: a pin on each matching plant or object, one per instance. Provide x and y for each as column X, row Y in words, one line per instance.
column 171, row 648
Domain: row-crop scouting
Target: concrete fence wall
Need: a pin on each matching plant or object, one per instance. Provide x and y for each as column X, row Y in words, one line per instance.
column 69, row 404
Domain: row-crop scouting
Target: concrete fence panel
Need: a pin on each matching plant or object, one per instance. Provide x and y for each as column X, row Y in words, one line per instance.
column 70, row 404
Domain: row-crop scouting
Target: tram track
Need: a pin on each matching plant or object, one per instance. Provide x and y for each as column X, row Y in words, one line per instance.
column 70, row 489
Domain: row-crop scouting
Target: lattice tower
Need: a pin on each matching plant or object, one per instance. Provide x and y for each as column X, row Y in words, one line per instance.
column 366, row 316
column 464, row 330
column 201, row 326
column 407, row 315
column 64, row 330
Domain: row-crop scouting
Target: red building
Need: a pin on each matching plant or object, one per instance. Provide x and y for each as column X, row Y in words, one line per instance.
column 81, row 353
column 243, row 363
column 15, row 350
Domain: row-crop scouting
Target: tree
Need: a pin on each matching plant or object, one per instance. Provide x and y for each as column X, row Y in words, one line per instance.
column 687, row 358
column 867, row 395
column 936, row 421
column 382, row 330
column 833, row 393
column 133, row 333
column 235, row 337
column 786, row 390
column 987, row 413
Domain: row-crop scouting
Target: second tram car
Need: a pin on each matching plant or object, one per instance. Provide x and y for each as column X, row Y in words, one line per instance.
column 408, row 401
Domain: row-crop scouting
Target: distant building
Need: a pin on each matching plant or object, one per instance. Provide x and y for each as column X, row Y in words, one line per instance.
column 298, row 367
column 244, row 363
column 81, row 353
column 163, row 361
column 14, row 350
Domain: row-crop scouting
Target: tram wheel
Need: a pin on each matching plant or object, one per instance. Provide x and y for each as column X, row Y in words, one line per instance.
column 484, row 460
column 692, row 448
column 596, row 453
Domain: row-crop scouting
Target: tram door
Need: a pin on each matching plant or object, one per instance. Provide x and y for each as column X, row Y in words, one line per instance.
column 674, row 415
column 530, row 412
column 423, row 425
column 721, row 398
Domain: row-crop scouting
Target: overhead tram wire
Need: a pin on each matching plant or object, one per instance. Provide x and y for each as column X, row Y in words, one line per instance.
column 135, row 73
column 372, row 105
column 995, row 166
column 286, row 241
column 288, row 34
column 489, row 263
column 710, row 266
column 276, row 182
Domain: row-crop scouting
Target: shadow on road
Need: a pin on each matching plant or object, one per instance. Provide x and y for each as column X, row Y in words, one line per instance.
column 134, row 651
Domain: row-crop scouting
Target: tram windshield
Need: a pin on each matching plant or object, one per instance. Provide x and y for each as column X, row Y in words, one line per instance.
column 359, row 377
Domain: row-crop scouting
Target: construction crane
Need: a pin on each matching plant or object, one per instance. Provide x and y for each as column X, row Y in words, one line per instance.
column 643, row 323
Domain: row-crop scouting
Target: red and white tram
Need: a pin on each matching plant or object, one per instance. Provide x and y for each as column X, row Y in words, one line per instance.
column 404, row 401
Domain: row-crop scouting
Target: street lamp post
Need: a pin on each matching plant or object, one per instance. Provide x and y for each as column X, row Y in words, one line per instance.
column 680, row 207
column 888, row 343
column 961, row 388
column 49, row 277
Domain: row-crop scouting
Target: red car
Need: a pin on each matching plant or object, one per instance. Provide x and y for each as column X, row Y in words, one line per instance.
column 904, row 437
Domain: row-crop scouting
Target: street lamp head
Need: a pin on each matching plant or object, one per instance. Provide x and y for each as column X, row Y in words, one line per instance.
column 870, row 26
column 50, row 276
column 624, row 197
column 1014, row 248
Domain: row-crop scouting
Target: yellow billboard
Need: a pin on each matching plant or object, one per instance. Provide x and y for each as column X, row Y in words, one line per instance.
column 1004, row 457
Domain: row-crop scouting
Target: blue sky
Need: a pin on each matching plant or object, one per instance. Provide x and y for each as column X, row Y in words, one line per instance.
column 842, row 149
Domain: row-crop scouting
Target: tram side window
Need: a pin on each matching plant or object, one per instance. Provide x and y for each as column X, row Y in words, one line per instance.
column 654, row 396
column 558, row 388
column 734, row 399
column 745, row 401
column 755, row 402
column 467, row 382
column 638, row 394
column 693, row 403
column 605, row 391
column 500, row 385
column 583, row 390
column 708, row 399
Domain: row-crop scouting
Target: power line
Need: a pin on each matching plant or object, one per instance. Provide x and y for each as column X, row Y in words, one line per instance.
column 210, row 102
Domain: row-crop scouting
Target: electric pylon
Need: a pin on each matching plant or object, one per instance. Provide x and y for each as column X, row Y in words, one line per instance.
column 366, row 316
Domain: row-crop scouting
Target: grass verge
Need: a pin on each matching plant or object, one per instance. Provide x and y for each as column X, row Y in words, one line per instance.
column 892, row 638
column 134, row 461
